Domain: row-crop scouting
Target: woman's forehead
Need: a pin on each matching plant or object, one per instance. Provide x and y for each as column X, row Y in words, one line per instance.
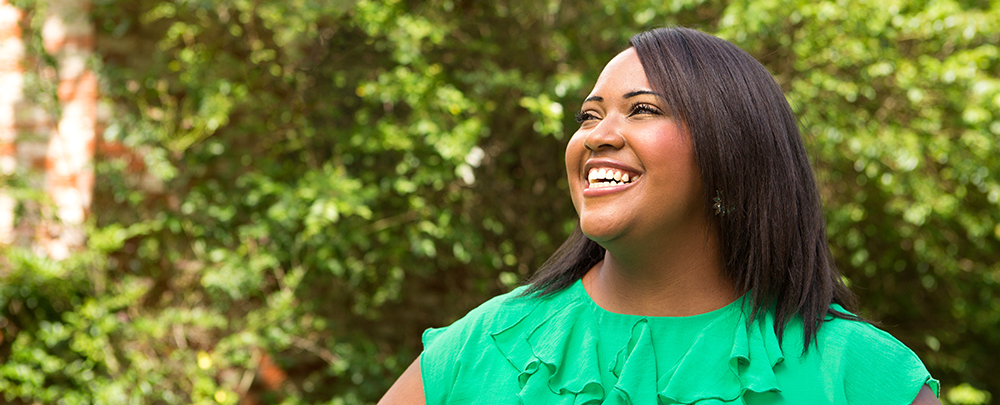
column 623, row 74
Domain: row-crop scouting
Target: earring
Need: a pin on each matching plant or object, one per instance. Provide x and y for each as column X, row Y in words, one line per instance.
column 719, row 208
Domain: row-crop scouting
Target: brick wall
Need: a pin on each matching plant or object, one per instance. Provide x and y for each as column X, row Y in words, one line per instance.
column 11, row 83
column 53, row 153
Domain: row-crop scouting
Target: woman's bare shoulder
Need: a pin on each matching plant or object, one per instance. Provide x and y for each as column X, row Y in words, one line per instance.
column 409, row 388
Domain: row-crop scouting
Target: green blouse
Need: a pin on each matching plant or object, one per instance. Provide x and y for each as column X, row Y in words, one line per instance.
column 565, row 349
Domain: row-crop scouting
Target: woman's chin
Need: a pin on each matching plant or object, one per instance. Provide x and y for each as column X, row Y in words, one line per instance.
column 600, row 233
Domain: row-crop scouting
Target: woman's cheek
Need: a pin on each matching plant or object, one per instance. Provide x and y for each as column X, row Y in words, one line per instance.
column 574, row 164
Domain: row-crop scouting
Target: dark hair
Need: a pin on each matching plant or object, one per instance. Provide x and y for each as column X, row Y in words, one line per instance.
column 749, row 150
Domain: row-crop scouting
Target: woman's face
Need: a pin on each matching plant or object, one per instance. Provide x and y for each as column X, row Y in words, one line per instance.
column 626, row 131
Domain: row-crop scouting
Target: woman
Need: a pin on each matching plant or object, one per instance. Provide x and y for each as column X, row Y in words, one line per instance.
column 700, row 271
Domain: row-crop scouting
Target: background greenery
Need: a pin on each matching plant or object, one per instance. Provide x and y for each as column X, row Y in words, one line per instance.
column 314, row 182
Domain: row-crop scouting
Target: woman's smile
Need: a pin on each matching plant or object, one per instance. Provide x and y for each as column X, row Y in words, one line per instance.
column 604, row 176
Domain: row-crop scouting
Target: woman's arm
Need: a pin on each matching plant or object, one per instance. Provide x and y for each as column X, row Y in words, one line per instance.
column 924, row 397
column 409, row 388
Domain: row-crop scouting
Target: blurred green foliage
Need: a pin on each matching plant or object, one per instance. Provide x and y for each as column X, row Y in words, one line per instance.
column 313, row 183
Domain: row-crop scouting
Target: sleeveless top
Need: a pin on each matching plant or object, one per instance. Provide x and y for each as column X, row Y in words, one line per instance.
column 565, row 349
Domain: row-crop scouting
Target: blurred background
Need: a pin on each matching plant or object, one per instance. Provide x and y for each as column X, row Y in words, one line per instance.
column 267, row 201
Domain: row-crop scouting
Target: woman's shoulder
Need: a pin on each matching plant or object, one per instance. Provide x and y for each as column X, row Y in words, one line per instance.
column 859, row 338
column 470, row 350
column 871, row 365
column 487, row 318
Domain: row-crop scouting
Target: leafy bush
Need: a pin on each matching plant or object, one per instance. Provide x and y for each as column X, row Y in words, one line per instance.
column 309, row 185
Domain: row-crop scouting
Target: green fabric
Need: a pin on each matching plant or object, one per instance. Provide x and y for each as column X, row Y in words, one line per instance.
column 564, row 349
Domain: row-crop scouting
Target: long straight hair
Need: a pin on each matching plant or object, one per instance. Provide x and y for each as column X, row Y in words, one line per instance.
column 750, row 153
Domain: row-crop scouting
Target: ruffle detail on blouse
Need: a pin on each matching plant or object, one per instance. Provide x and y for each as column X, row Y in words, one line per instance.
column 554, row 352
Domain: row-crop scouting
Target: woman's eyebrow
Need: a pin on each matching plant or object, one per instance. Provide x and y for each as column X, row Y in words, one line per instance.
column 630, row 94
column 641, row 92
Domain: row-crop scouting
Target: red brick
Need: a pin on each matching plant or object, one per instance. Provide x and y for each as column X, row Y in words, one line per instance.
column 57, row 44
column 83, row 87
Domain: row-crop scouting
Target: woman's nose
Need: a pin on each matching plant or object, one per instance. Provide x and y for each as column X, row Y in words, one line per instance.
column 605, row 135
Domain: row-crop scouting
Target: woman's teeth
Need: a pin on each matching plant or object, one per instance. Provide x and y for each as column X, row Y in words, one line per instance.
column 607, row 177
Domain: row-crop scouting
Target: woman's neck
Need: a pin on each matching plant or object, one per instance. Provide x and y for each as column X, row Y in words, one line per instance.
column 683, row 278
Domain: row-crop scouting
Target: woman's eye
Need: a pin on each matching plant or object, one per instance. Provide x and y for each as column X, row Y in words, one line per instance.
column 583, row 116
column 644, row 109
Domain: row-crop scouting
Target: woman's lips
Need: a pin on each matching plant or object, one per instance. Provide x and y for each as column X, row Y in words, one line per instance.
column 605, row 190
column 607, row 177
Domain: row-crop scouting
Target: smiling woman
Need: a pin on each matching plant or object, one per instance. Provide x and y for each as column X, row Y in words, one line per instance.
column 627, row 127
column 699, row 272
